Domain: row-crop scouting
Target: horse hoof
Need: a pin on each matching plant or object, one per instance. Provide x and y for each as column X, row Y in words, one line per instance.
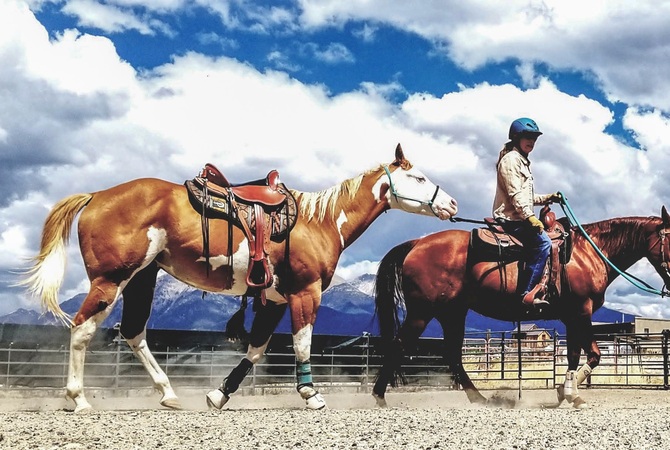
column 381, row 401
column 81, row 405
column 579, row 403
column 83, row 409
column 171, row 402
column 560, row 394
column 315, row 402
column 216, row 399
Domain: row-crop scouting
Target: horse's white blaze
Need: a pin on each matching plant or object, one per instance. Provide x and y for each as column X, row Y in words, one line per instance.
column 414, row 191
column 302, row 343
column 341, row 220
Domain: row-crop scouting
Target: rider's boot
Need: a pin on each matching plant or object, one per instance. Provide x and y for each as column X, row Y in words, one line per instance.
column 536, row 296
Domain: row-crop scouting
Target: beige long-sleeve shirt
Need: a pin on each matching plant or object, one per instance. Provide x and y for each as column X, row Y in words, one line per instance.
column 515, row 196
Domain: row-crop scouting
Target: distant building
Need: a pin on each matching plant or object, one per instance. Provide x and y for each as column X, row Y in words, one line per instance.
column 644, row 325
column 532, row 336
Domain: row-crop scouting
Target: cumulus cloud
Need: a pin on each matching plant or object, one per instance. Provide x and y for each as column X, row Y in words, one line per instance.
column 624, row 48
column 74, row 117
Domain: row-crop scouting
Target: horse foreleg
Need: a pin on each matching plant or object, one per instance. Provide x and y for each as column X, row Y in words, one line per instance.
column 265, row 321
column 578, row 377
column 580, row 337
column 302, row 345
column 217, row 398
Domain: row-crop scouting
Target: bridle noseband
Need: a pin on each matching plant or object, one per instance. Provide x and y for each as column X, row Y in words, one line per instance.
column 422, row 202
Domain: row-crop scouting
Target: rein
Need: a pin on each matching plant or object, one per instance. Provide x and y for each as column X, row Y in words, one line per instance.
column 640, row 284
column 397, row 196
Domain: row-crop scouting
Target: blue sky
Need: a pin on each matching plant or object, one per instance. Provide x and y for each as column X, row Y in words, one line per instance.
column 94, row 93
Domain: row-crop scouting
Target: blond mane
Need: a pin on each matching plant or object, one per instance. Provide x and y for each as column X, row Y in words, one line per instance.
column 319, row 205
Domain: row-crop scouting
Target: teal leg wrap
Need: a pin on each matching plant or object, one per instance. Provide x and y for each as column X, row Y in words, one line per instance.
column 303, row 371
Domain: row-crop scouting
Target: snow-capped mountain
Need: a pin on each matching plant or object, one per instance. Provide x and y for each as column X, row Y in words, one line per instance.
column 347, row 309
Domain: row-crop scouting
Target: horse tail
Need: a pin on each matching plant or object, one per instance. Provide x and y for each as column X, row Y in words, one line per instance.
column 45, row 277
column 388, row 290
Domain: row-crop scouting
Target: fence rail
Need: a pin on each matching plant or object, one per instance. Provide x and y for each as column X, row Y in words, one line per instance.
column 493, row 361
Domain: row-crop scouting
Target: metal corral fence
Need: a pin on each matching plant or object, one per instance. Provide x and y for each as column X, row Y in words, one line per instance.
column 491, row 359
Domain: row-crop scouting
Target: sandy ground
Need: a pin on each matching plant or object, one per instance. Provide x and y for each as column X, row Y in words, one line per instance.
column 630, row 419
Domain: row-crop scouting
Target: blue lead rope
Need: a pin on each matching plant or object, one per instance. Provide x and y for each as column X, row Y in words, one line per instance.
column 630, row 278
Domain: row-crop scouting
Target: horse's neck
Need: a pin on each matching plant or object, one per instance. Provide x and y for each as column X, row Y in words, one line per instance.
column 623, row 241
column 359, row 210
column 353, row 211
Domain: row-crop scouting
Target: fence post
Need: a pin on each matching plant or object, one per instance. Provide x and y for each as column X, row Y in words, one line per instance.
column 9, row 363
column 666, row 369
column 553, row 379
column 487, row 348
column 367, row 361
column 66, row 364
column 502, row 356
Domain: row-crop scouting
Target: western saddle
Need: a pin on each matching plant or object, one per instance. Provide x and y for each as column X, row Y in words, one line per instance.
column 263, row 209
column 494, row 244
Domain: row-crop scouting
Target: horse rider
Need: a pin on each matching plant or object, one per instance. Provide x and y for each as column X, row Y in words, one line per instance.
column 513, row 208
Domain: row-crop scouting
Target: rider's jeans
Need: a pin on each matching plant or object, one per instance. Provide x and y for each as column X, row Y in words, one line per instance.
column 536, row 249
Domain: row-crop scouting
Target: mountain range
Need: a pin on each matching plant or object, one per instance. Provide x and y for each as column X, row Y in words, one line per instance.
column 347, row 309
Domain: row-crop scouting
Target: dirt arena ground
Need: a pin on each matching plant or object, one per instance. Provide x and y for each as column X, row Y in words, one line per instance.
column 617, row 419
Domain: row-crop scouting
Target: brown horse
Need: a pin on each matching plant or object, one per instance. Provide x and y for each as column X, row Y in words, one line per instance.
column 129, row 232
column 436, row 277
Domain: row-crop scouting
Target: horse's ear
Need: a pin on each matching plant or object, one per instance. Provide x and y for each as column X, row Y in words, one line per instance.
column 400, row 159
column 665, row 216
column 399, row 154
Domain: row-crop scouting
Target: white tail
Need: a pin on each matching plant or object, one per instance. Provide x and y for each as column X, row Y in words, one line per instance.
column 45, row 278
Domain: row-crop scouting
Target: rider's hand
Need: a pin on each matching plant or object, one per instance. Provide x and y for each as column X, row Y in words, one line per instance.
column 555, row 198
column 536, row 224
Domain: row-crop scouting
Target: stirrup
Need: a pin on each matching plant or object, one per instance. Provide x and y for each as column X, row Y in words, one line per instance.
column 535, row 297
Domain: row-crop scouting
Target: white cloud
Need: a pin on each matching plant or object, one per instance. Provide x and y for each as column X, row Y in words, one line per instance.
column 109, row 17
column 624, row 47
column 81, row 119
column 334, row 53
column 358, row 268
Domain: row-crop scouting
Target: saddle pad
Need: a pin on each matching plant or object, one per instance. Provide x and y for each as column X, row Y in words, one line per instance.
column 486, row 245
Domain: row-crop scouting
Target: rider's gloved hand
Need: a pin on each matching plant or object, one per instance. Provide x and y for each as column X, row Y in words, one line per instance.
column 555, row 198
column 536, row 224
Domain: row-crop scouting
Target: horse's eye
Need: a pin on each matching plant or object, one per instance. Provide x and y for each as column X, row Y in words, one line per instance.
column 421, row 180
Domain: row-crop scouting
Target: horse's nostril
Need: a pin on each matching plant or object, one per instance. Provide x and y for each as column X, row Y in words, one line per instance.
column 454, row 202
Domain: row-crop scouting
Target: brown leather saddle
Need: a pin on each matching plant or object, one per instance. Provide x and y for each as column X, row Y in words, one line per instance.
column 264, row 209
column 493, row 244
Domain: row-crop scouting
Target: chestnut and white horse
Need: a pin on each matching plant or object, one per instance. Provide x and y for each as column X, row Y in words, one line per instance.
column 129, row 232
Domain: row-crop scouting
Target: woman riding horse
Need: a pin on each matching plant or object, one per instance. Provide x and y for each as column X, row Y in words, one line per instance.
column 441, row 276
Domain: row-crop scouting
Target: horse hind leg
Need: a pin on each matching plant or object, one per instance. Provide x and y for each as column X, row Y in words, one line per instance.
column 137, row 300
column 408, row 335
column 94, row 309
column 453, row 329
